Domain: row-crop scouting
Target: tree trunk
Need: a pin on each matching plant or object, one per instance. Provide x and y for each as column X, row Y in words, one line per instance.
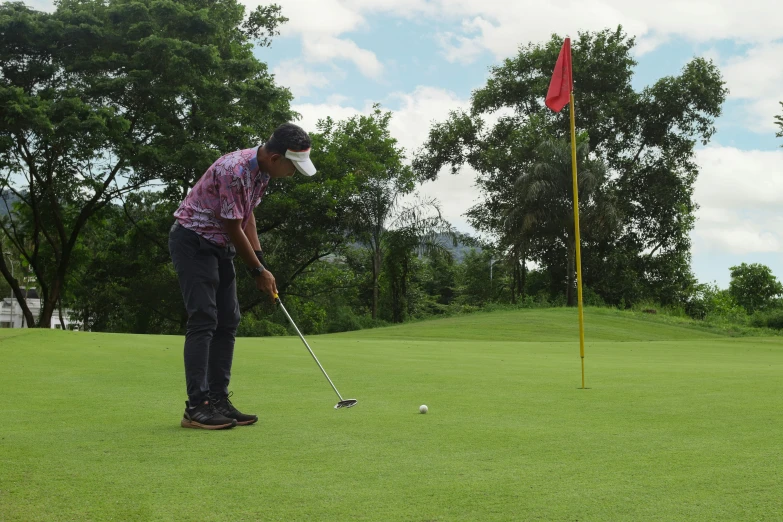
column 376, row 270
column 523, row 276
column 570, row 270
column 515, row 278
column 403, row 305
column 49, row 306
column 60, row 311
column 45, row 320
column 27, row 315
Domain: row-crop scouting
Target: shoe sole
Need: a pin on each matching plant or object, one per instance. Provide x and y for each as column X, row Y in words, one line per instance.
column 247, row 423
column 193, row 424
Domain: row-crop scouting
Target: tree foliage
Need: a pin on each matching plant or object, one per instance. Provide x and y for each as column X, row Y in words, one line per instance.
column 545, row 213
column 362, row 148
column 754, row 287
column 122, row 278
column 100, row 98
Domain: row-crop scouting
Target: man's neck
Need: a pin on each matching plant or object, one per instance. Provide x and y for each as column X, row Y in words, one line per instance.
column 261, row 158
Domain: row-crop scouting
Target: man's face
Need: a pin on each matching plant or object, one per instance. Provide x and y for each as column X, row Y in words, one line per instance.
column 281, row 167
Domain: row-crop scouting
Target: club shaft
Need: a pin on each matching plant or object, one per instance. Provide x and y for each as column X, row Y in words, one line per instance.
column 308, row 348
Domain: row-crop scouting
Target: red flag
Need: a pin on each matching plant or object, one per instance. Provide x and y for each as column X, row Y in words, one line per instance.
column 559, row 93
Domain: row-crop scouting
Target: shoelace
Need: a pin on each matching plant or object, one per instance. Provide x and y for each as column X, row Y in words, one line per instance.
column 210, row 408
column 230, row 407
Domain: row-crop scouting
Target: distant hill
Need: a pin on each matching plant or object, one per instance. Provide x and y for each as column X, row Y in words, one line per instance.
column 10, row 198
column 458, row 251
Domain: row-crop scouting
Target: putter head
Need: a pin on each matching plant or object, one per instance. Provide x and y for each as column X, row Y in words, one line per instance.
column 347, row 403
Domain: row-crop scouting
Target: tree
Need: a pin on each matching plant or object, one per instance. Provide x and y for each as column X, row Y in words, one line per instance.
column 779, row 123
column 439, row 280
column 100, row 98
column 122, row 279
column 418, row 231
column 754, row 287
column 645, row 138
column 399, row 246
column 365, row 149
column 480, row 278
column 547, row 212
column 355, row 197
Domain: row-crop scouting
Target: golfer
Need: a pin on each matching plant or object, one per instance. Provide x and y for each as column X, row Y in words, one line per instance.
column 214, row 223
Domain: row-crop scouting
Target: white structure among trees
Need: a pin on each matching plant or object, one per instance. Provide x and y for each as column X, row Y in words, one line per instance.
column 11, row 315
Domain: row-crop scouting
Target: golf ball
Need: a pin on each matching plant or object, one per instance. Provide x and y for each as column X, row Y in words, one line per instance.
column 423, row 408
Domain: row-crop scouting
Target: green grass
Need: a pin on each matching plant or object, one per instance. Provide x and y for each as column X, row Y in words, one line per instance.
column 678, row 424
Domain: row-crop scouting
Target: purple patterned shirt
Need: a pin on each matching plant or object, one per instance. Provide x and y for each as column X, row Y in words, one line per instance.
column 231, row 188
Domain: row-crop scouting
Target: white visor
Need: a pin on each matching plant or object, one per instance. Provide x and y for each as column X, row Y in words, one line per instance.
column 301, row 160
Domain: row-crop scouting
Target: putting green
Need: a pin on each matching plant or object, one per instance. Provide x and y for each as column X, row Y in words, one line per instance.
column 678, row 424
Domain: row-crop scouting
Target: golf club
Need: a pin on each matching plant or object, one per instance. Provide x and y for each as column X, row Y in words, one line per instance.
column 344, row 403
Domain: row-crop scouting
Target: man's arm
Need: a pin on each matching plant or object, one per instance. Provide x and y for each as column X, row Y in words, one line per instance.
column 241, row 242
column 252, row 232
column 233, row 227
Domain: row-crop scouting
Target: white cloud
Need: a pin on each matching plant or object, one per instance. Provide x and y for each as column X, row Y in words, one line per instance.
column 502, row 25
column 336, row 99
column 299, row 78
column 411, row 125
column 740, row 194
column 459, row 48
column 319, row 24
column 418, row 111
column 646, row 44
column 456, row 193
column 757, row 78
column 741, row 236
column 327, row 48
column 315, row 18
column 313, row 112
column 734, row 178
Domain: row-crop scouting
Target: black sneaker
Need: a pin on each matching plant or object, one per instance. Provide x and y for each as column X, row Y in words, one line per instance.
column 206, row 417
column 223, row 406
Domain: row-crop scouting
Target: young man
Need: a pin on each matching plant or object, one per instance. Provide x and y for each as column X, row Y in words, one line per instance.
column 214, row 223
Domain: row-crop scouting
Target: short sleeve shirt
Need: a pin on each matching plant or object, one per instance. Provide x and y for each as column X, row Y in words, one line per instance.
column 230, row 189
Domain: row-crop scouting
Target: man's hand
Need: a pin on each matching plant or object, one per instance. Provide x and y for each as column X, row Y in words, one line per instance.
column 266, row 283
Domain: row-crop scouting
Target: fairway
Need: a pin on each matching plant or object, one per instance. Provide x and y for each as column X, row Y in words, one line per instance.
column 678, row 424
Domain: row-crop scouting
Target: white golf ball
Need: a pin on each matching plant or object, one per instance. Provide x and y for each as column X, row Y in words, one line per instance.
column 423, row 408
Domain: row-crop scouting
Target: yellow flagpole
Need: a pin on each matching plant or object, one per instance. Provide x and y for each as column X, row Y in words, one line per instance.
column 578, row 241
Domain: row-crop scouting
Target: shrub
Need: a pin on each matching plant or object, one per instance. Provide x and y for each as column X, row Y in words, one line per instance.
column 251, row 326
column 526, row 302
column 590, row 298
column 711, row 303
column 772, row 319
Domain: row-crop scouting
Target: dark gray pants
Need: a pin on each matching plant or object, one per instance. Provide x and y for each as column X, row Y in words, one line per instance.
column 208, row 282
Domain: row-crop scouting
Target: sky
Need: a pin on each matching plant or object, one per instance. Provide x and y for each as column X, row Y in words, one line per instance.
column 421, row 59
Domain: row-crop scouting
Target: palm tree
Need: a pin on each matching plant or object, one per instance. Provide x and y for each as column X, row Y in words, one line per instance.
column 418, row 229
column 546, row 209
column 514, row 243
